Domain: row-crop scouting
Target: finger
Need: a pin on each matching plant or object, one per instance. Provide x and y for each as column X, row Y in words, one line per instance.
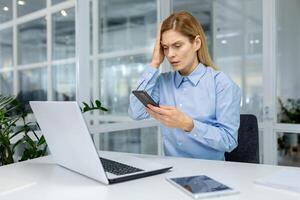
column 150, row 107
column 159, row 30
column 158, row 34
column 156, row 116
column 149, row 110
column 159, row 110
column 152, row 113
column 167, row 123
column 167, row 107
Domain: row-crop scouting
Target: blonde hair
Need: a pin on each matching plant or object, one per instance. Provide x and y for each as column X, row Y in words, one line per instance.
column 186, row 24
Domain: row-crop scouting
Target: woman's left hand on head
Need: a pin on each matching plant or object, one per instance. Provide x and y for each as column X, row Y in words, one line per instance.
column 171, row 117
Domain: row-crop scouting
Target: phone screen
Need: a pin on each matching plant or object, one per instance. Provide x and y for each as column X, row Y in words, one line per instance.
column 200, row 184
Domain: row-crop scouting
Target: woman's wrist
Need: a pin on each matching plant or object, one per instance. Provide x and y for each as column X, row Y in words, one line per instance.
column 154, row 64
column 188, row 124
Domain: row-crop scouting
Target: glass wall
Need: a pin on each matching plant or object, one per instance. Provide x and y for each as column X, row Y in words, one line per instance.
column 132, row 28
column 6, row 48
column 25, row 7
column 125, row 72
column 288, row 149
column 32, row 38
column 57, row 1
column 33, row 85
column 136, row 141
column 39, row 63
column 121, row 48
column 287, row 80
column 6, row 10
column 288, row 61
column 6, row 83
column 64, row 83
column 238, row 49
column 63, row 32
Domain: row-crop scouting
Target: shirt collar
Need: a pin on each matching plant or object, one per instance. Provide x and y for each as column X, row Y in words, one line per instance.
column 193, row 77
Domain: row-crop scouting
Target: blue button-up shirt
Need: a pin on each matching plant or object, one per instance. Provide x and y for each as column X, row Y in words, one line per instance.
column 208, row 96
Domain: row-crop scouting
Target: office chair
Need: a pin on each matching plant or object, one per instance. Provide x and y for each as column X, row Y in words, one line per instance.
column 248, row 147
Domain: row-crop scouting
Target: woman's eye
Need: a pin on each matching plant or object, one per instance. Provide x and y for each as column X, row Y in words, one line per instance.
column 177, row 45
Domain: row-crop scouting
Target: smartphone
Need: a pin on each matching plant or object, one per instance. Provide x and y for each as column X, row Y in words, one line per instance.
column 201, row 186
column 144, row 97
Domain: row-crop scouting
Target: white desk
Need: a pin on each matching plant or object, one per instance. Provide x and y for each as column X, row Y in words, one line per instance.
column 41, row 179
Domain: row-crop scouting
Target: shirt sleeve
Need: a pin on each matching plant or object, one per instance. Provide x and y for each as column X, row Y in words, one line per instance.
column 221, row 134
column 149, row 83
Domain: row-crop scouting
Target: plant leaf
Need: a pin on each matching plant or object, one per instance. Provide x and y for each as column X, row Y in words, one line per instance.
column 85, row 109
column 85, row 105
column 41, row 141
column 98, row 103
column 103, row 109
column 93, row 107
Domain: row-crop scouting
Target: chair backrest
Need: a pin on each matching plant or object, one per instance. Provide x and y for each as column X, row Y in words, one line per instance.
column 248, row 146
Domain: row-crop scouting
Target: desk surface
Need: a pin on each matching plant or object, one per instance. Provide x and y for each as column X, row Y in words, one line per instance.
column 41, row 179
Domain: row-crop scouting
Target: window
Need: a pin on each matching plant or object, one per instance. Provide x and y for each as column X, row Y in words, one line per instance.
column 63, row 31
column 33, row 85
column 6, row 49
column 124, row 48
column 39, row 63
column 287, row 96
column 5, row 10
column 32, row 46
column 6, row 83
column 29, row 6
column 57, row 1
column 64, row 83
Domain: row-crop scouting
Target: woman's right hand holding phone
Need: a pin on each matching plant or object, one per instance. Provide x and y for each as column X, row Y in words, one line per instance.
column 158, row 54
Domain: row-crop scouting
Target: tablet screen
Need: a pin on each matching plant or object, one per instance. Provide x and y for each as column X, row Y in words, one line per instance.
column 200, row 184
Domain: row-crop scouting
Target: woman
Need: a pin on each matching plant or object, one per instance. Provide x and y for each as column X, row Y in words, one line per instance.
column 199, row 106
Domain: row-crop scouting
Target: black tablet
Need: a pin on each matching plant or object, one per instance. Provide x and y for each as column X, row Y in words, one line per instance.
column 144, row 97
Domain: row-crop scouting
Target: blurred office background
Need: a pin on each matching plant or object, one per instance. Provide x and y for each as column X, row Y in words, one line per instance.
column 256, row 42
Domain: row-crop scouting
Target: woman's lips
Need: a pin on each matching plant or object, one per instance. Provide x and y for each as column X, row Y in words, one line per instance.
column 175, row 63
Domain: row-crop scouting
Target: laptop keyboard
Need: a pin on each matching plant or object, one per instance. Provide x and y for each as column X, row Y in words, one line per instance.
column 117, row 168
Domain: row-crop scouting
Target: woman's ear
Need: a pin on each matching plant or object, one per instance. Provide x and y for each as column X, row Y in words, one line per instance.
column 197, row 42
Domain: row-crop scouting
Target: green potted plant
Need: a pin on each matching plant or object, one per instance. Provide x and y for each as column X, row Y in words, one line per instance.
column 13, row 123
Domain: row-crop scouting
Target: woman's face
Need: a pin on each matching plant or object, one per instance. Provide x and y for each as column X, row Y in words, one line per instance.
column 180, row 52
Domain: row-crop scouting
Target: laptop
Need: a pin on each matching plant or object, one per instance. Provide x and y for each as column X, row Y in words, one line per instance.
column 72, row 147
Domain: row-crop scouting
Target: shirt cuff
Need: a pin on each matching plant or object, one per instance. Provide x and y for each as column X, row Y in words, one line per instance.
column 199, row 130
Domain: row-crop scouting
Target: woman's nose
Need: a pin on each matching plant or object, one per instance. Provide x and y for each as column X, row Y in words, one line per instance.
column 171, row 53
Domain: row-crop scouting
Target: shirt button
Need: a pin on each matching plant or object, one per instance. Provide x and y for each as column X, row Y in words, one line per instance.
column 180, row 104
column 179, row 143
